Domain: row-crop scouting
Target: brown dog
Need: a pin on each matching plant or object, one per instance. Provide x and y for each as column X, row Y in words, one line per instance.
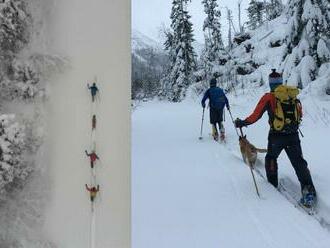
column 249, row 151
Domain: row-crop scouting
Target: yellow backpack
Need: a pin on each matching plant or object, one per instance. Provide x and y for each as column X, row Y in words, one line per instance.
column 287, row 117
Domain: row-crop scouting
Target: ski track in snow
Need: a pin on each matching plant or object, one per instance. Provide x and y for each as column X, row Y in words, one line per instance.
column 191, row 193
column 240, row 198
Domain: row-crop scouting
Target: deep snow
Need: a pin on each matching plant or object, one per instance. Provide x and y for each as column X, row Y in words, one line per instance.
column 94, row 35
column 191, row 193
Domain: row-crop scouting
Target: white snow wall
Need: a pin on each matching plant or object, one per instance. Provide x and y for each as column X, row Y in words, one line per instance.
column 96, row 37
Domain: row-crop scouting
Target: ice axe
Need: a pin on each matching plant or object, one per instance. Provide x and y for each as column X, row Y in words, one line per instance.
column 201, row 135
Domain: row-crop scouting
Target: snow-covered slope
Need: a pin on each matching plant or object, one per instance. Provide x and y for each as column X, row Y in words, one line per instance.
column 267, row 48
column 256, row 56
column 191, row 193
column 88, row 33
column 142, row 41
column 144, row 49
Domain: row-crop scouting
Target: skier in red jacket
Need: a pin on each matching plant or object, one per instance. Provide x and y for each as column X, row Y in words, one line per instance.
column 93, row 191
column 286, row 139
column 92, row 157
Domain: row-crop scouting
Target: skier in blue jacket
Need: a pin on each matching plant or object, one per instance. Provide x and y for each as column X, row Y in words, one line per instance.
column 93, row 90
column 217, row 101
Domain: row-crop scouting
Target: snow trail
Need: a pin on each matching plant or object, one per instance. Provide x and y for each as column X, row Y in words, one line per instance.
column 192, row 193
column 95, row 37
column 93, row 178
column 93, row 227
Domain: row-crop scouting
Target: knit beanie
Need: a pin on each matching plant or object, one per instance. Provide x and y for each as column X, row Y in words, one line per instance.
column 275, row 79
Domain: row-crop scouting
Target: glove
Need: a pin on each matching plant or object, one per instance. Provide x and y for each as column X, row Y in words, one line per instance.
column 203, row 104
column 240, row 123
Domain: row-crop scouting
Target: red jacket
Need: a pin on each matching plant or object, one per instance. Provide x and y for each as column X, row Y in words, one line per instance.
column 93, row 189
column 92, row 156
column 266, row 103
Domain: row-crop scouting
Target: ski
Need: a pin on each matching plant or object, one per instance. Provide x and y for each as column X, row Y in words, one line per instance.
column 294, row 197
column 219, row 140
column 291, row 193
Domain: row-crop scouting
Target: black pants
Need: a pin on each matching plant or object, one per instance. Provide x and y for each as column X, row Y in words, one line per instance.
column 291, row 144
column 216, row 116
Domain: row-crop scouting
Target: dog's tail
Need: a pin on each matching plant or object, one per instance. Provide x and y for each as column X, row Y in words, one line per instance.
column 261, row 150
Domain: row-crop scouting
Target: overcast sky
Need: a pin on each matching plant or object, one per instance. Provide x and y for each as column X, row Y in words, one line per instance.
column 149, row 15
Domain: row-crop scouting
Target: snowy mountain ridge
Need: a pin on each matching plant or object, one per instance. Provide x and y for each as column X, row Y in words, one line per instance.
column 142, row 41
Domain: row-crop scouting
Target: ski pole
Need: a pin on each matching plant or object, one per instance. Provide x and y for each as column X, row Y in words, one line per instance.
column 231, row 116
column 254, row 181
column 240, row 129
column 242, row 135
column 201, row 137
column 253, row 177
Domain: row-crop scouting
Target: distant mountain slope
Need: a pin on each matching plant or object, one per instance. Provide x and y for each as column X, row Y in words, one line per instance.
column 142, row 41
column 149, row 61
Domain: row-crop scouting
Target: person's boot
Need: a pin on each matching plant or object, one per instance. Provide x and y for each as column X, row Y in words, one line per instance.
column 222, row 136
column 215, row 134
column 222, row 132
column 308, row 198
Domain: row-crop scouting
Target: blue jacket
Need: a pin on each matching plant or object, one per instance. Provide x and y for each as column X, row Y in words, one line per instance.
column 217, row 98
column 93, row 89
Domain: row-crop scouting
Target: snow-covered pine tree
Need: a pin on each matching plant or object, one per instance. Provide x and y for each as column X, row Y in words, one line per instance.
column 274, row 9
column 213, row 52
column 307, row 40
column 15, row 34
column 181, row 52
column 14, row 19
column 255, row 14
column 12, row 167
column 170, row 48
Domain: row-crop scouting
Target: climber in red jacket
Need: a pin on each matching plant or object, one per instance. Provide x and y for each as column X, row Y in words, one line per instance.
column 93, row 191
column 92, row 157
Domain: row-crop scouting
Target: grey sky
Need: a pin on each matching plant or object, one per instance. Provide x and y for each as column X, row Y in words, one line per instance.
column 149, row 15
